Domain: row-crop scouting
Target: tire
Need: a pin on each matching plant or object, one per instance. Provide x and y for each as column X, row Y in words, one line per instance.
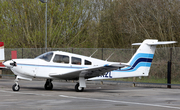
column 48, row 86
column 15, row 87
column 77, row 89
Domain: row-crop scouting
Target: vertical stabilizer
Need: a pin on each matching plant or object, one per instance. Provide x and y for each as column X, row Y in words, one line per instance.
column 141, row 61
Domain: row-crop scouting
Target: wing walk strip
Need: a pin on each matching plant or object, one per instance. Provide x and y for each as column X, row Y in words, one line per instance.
column 102, row 100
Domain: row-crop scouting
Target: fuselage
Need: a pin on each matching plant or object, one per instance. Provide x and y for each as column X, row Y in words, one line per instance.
column 53, row 62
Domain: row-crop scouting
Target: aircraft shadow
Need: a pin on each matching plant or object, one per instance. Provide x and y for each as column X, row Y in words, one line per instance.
column 72, row 90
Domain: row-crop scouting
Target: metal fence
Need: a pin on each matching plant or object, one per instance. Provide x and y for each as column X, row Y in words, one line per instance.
column 158, row 71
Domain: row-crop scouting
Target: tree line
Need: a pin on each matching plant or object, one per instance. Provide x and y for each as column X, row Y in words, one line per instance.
column 88, row 23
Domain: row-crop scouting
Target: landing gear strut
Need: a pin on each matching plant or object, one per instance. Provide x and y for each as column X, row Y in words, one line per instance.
column 48, row 85
column 78, row 89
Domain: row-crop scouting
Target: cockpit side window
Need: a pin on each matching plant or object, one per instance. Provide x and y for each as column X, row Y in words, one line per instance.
column 87, row 62
column 76, row 61
column 61, row 59
column 46, row 56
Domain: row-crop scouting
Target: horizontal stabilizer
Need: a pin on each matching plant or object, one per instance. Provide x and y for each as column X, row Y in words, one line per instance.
column 162, row 43
column 136, row 43
column 157, row 43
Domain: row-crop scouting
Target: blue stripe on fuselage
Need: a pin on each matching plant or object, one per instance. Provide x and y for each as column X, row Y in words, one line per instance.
column 141, row 55
column 141, row 59
column 51, row 66
column 141, row 64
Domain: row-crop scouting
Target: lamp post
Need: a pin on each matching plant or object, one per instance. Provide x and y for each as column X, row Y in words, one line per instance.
column 45, row 24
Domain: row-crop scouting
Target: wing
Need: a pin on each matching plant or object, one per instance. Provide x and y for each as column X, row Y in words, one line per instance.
column 87, row 72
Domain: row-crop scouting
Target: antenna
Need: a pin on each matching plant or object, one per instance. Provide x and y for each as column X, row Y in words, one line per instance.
column 109, row 56
column 94, row 53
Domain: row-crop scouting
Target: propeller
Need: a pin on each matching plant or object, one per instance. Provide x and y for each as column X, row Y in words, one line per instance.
column 9, row 63
column 13, row 64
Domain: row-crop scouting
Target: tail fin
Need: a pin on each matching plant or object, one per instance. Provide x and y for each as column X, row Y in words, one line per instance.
column 142, row 59
column 140, row 63
column 2, row 58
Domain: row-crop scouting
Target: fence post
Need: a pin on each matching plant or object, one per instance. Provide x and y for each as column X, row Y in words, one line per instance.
column 102, row 54
column 72, row 50
column 22, row 52
column 169, row 70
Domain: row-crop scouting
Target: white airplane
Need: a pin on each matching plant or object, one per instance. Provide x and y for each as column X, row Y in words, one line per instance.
column 69, row 66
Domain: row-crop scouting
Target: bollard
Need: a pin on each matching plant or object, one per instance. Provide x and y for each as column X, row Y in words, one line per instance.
column 169, row 75
column 134, row 80
column 101, row 82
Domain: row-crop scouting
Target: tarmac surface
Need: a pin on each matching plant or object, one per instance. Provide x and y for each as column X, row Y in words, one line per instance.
column 96, row 96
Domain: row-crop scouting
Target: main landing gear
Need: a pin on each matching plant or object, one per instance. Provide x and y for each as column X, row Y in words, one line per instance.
column 48, row 85
column 78, row 89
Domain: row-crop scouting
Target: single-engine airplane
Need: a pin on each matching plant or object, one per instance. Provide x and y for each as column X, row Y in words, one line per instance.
column 69, row 66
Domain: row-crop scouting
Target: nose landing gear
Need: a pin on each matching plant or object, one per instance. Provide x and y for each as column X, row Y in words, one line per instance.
column 16, row 87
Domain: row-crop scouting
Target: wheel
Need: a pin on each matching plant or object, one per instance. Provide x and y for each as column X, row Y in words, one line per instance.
column 48, row 86
column 78, row 89
column 15, row 87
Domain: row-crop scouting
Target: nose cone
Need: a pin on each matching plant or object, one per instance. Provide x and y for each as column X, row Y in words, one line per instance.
column 9, row 63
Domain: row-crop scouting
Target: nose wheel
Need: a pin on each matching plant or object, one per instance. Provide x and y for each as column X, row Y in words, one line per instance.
column 16, row 87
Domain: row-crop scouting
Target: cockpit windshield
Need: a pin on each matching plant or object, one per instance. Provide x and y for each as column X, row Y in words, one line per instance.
column 46, row 56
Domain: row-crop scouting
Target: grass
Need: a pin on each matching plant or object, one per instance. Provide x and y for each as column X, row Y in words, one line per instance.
column 149, row 80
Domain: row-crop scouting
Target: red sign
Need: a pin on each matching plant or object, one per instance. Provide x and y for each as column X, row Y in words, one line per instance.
column 13, row 54
column 1, row 44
